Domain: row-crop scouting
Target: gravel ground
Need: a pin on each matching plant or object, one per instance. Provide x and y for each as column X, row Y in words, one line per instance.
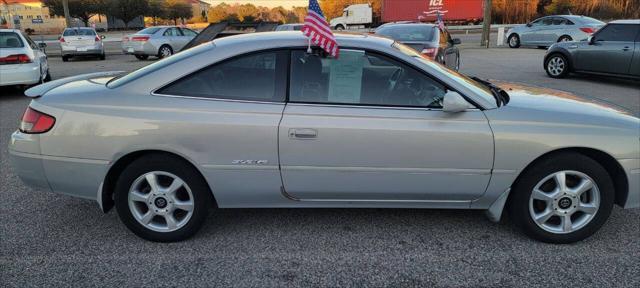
column 53, row 240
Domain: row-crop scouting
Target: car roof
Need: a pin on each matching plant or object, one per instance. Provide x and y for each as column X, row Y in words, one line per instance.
column 626, row 21
column 296, row 38
column 79, row 28
column 408, row 23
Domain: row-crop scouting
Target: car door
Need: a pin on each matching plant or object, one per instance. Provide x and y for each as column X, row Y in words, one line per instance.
column 615, row 43
column 531, row 35
column 171, row 36
column 185, row 36
column 365, row 127
column 38, row 53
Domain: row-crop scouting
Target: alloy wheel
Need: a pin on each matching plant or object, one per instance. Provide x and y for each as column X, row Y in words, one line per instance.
column 161, row 201
column 556, row 66
column 165, row 51
column 564, row 202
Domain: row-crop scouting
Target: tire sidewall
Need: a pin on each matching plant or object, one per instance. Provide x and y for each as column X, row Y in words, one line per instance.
column 199, row 188
column 163, row 47
column 519, row 204
column 516, row 37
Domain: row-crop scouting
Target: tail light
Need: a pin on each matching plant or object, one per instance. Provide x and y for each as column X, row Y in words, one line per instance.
column 36, row 122
column 140, row 38
column 62, row 40
column 587, row 30
column 15, row 59
column 98, row 39
column 430, row 53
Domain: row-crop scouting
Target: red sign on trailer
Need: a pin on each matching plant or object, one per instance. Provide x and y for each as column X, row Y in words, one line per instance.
column 454, row 11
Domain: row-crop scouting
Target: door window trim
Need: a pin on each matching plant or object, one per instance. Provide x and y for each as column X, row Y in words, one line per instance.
column 379, row 106
column 283, row 99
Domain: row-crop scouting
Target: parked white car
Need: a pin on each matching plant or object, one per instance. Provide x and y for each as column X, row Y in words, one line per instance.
column 22, row 61
column 81, row 41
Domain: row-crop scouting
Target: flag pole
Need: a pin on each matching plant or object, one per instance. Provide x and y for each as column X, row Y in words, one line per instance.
column 309, row 51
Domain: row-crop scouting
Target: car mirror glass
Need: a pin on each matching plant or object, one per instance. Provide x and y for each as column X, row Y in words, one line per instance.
column 453, row 102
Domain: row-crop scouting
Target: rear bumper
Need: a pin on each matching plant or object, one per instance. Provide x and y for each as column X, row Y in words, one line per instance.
column 79, row 53
column 23, row 74
column 632, row 169
column 71, row 176
column 139, row 49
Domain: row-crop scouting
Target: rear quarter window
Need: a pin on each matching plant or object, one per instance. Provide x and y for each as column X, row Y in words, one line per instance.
column 10, row 40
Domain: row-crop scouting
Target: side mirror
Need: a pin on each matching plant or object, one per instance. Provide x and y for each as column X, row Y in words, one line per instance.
column 102, row 36
column 457, row 41
column 42, row 45
column 453, row 102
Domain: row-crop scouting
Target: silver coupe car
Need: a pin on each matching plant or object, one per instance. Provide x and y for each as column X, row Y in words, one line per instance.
column 159, row 41
column 255, row 121
column 545, row 31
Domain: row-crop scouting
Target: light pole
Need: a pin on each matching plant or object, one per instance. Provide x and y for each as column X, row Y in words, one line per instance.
column 486, row 24
column 65, row 7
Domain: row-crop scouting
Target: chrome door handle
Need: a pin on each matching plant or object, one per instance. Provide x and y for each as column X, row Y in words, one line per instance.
column 303, row 133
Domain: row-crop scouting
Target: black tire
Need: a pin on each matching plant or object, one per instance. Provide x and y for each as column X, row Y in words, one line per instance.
column 103, row 56
column 339, row 27
column 513, row 41
column 65, row 58
column 522, row 190
column 202, row 197
column 560, row 57
column 565, row 38
column 142, row 57
column 165, row 46
column 47, row 77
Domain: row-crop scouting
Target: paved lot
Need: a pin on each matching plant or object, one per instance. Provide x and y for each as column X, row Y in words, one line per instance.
column 54, row 240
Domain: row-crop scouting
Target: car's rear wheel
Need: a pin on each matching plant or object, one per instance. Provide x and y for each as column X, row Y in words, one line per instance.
column 65, row 58
column 103, row 56
column 514, row 41
column 565, row 38
column 142, row 57
column 339, row 27
column 557, row 66
column 562, row 199
column 162, row 198
column 165, row 51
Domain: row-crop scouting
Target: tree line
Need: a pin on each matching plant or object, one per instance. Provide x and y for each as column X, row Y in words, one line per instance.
column 125, row 10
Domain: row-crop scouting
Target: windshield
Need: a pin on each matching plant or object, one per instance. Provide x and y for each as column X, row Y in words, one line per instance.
column 148, row 31
column 408, row 33
column 79, row 32
column 476, row 86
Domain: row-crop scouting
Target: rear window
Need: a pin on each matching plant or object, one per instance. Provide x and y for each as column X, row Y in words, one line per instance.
column 148, row 31
column 408, row 33
column 589, row 20
column 10, row 40
column 79, row 32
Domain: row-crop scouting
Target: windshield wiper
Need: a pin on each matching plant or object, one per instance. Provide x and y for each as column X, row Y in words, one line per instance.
column 502, row 97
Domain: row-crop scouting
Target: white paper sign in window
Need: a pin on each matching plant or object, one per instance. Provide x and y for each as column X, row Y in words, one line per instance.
column 345, row 82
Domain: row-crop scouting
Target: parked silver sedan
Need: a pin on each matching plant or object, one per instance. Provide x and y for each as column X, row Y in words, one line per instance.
column 546, row 31
column 159, row 41
column 254, row 121
column 81, row 41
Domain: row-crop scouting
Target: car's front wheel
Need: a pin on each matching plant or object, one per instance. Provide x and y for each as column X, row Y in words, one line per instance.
column 162, row 198
column 556, row 66
column 514, row 41
column 562, row 199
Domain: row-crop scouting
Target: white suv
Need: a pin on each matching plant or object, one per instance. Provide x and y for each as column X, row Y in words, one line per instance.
column 22, row 61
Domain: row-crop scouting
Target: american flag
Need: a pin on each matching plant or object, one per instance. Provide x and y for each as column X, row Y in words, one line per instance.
column 318, row 30
column 440, row 21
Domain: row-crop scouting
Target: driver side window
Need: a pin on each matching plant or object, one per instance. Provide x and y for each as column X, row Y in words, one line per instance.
column 361, row 78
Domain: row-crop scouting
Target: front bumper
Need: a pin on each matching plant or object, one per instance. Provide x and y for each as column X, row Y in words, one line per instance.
column 20, row 74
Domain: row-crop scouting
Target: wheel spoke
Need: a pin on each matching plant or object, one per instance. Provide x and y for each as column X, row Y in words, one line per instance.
column 544, row 216
column 171, row 222
column 183, row 205
column 561, row 181
column 584, row 186
column 136, row 196
column 542, row 196
column 566, row 223
column 587, row 208
column 175, row 185
column 146, row 218
column 152, row 180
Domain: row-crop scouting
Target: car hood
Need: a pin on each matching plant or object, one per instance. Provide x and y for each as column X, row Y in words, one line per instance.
column 530, row 103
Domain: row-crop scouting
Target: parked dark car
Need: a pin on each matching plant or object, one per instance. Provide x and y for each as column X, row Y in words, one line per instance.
column 428, row 39
column 613, row 50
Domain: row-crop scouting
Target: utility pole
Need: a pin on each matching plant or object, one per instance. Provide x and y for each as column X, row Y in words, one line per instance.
column 65, row 7
column 486, row 24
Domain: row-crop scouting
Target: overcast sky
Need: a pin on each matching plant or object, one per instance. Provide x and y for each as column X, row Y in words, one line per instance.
column 266, row 3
